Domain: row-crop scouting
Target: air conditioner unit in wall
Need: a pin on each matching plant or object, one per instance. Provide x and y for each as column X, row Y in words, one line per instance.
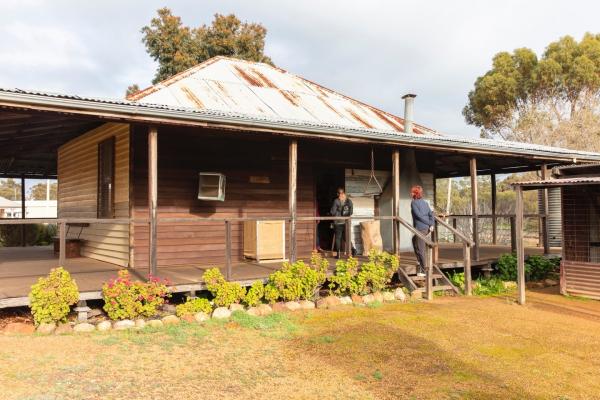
column 211, row 186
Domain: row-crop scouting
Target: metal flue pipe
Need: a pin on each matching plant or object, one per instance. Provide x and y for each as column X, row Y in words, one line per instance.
column 409, row 100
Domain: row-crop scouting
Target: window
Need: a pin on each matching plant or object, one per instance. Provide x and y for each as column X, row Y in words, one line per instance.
column 106, row 178
column 211, row 186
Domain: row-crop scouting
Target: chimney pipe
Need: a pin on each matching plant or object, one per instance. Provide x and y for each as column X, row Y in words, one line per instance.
column 409, row 100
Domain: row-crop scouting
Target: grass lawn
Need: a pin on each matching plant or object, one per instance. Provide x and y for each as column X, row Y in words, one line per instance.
column 451, row 348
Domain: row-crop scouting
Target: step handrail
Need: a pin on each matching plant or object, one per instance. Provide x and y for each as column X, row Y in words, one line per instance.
column 412, row 229
column 454, row 231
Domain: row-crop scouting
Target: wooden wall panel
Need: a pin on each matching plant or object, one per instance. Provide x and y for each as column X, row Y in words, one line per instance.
column 77, row 191
column 180, row 158
column 582, row 279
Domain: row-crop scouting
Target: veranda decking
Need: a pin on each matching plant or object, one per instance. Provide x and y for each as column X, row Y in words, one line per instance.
column 20, row 267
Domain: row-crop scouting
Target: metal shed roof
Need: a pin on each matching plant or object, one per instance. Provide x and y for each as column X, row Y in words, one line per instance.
column 252, row 88
column 558, row 182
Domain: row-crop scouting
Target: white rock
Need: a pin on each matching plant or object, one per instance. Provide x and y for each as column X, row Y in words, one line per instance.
column 154, row 323
column 399, row 294
column 236, row 307
column 140, row 323
column 221, row 313
column 388, row 296
column 46, row 328
column 292, row 306
column 84, row 327
column 170, row 320
column 123, row 325
column 104, row 326
column 378, row 296
column 346, row 300
column 264, row 309
column 307, row 304
column 201, row 316
column 254, row 311
column 368, row 298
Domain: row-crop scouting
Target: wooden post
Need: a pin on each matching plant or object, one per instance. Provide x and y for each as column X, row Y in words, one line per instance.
column 513, row 234
column 292, row 182
column 23, row 210
column 519, row 243
column 152, row 197
column 467, row 265
column 494, row 221
column 396, row 200
column 62, row 246
column 454, row 226
column 544, row 210
column 429, row 267
column 348, row 236
column 228, row 250
column 475, row 211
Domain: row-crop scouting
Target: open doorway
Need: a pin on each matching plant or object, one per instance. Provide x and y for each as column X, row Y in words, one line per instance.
column 328, row 179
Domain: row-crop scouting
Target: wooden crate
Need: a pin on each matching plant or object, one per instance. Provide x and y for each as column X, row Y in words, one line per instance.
column 264, row 240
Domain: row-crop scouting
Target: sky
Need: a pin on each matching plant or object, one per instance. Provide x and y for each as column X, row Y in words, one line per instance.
column 373, row 51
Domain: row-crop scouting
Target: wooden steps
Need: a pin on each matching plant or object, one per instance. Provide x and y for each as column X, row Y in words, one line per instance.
column 418, row 284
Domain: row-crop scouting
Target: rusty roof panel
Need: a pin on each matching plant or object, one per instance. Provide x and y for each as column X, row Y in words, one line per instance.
column 232, row 85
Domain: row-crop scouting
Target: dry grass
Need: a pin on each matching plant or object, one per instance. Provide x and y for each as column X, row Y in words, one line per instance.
column 451, row 348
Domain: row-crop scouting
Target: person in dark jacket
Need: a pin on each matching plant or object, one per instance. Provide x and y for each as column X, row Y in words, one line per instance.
column 423, row 221
column 342, row 207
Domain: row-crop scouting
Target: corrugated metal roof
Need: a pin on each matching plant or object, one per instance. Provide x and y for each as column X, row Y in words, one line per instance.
column 6, row 203
column 233, row 85
column 131, row 110
column 595, row 180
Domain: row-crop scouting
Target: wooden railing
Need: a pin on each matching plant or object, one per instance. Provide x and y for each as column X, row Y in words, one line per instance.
column 467, row 244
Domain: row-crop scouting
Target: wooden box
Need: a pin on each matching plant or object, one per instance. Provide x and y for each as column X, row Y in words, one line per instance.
column 72, row 247
column 264, row 240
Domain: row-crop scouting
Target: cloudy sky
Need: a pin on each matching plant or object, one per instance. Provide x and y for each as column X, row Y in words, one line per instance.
column 374, row 51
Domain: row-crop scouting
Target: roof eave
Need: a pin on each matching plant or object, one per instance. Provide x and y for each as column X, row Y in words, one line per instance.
column 146, row 113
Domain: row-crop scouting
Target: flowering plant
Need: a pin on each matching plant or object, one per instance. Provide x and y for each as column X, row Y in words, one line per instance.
column 124, row 299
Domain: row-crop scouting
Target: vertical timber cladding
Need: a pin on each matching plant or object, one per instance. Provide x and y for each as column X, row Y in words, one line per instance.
column 581, row 237
column 78, row 186
column 256, row 171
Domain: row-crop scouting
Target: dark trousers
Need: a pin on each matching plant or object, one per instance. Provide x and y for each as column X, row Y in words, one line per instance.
column 340, row 234
column 420, row 249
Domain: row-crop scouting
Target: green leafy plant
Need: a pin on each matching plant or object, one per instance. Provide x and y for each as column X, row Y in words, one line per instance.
column 225, row 293
column 536, row 267
column 372, row 276
column 457, row 279
column 489, row 287
column 124, row 299
column 193, row 306
column 255, row 293
column 51, row 297
column 297, row 281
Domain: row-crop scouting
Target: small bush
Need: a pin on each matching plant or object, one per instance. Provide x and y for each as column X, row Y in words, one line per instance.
column 372, row 276
column 536, row 267
column 489, row 287
column 297, row 281
column 193, row 306
column 458, row 279
column 51, row 297
column 255, row 294
column 124, row 299
column 225, row 293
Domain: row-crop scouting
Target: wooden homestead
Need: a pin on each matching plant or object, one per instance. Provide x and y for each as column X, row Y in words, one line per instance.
column 179, row 177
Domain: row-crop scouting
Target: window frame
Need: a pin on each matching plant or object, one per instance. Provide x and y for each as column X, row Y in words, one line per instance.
column 105, row 144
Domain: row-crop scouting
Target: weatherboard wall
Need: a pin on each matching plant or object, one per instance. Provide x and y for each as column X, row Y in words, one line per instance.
column 78, row 186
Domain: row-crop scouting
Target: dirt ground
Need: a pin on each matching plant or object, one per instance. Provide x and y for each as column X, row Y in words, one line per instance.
column 451, row 348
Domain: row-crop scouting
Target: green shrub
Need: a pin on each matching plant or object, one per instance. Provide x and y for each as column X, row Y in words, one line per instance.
column 51, row 297
column 489, row 287
column 225, row 293
column 536, row 267
column 458, row 279
column 34, row 234
column 193, row 306
column 124, row 299
column 297, row 281
column 255, row 294
column 371, row 276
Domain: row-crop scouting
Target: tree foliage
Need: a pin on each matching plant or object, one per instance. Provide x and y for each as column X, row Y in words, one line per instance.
column 553, row 99
column 39, row 191
column 10, row 189
column 177, row 47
